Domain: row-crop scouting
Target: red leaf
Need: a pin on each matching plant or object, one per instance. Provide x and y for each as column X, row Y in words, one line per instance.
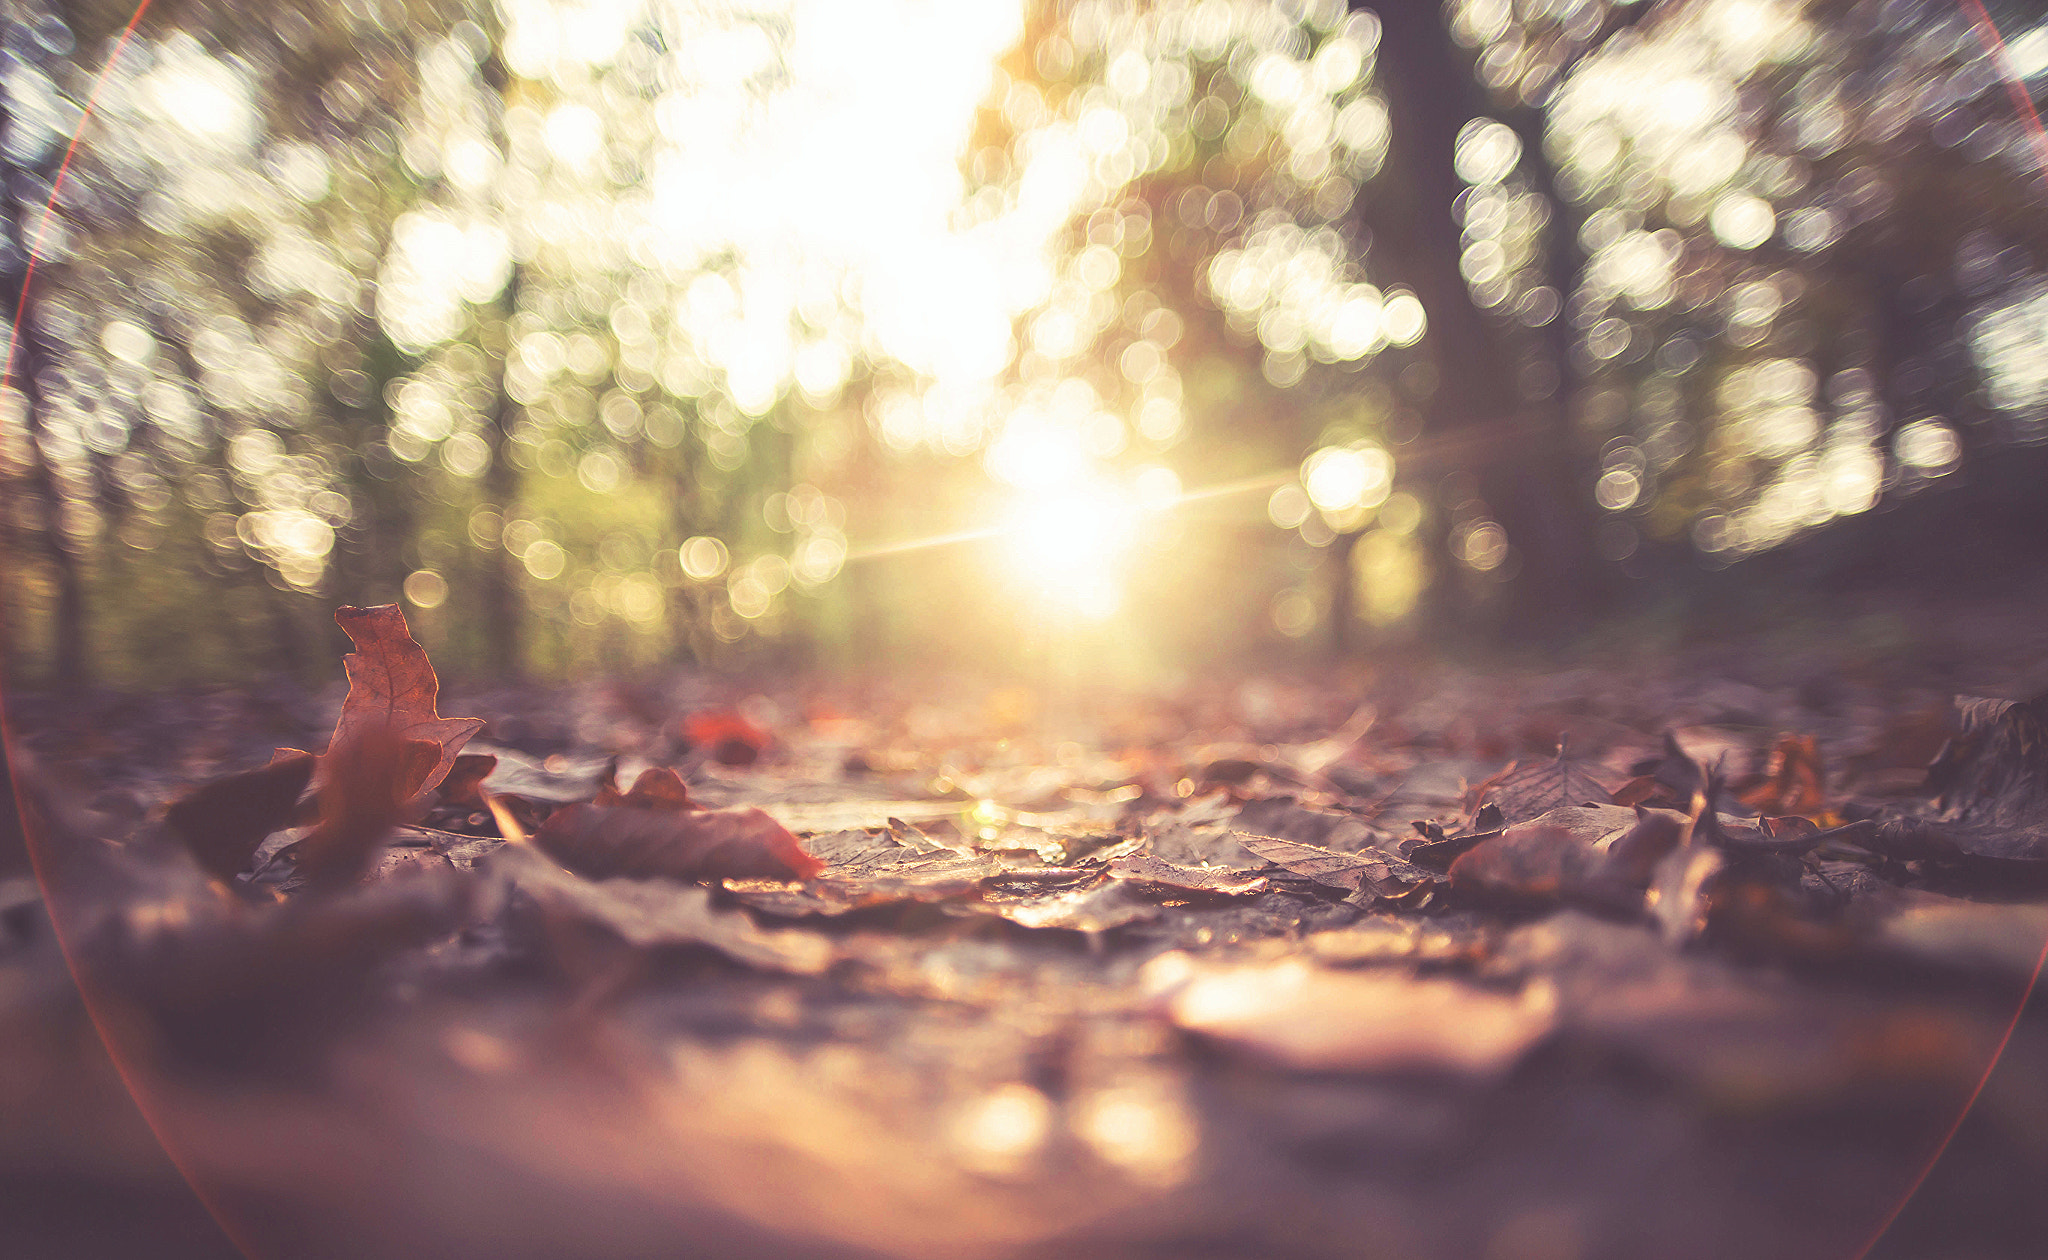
column 728, row 737
column 657, row 788
column 1793, row 781
column 392, row 687
column 606, row 840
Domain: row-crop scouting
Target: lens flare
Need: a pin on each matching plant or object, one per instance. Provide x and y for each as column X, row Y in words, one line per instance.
column 1072, row 548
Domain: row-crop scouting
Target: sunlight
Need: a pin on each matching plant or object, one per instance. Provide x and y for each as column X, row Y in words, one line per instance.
column 1073, row 549
column 206, row 98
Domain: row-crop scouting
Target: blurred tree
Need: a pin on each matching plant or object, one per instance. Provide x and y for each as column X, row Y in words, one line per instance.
column 606, row 319
column 1803, row 230
column 48, row 479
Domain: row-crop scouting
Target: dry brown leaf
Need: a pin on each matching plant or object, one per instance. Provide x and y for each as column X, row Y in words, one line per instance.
column 464, row 783
column 1601, row 854
column 1221, row 881
column 658, row 788
column 1792, row 782
column 1527, row 789
column 606, row 840
column 366, row 795
column 225, row 821
column 1993, row 785
column 1365, row 875
column 391, row 686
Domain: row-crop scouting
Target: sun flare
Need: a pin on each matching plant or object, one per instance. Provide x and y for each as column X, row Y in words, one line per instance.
column 1073, row 548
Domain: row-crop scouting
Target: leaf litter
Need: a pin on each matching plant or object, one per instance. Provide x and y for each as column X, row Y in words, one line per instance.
column 1076, row 998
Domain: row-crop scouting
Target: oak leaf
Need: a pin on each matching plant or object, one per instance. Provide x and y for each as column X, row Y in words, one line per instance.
column 392, row 687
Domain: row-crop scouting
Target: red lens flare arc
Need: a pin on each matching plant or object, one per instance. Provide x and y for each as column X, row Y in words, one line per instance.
column 2023, row 106
column 1994, row 47
column 31, row 820
column 34, row 248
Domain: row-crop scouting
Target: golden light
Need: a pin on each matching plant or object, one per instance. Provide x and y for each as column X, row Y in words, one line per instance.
column 1342, row 479
column 1072, row 547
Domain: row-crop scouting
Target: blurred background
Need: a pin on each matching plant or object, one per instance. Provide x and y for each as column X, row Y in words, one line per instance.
column 611, row 334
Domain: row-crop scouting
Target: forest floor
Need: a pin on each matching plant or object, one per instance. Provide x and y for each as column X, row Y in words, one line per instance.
column 1286, row 965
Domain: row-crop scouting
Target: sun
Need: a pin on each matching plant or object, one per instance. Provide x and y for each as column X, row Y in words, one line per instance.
column 1072, row 547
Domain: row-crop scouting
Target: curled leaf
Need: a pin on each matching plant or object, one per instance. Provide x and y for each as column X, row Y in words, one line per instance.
column 366, row 796
column 1993, row 784
column 657, row 788
column 391, row 685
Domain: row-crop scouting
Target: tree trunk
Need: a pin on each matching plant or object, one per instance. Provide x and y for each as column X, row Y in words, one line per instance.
column 1524, row 471
column 71, row 629
column 504, row 611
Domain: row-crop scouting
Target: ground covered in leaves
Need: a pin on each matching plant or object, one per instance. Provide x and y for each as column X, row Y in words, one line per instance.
column 1701, row 957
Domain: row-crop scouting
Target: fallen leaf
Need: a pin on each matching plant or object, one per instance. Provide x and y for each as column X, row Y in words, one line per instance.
column 729, row 738
column 1176, row 840
column 627, row 840
column 1992, row 781
column 391, row 686
column 225, row 821
column 1792, row 781
column 1365, row 875
column 1144, row 868
column 1436, row 849
column 370, row 776
column 1671, row 781
column 657, row 788
column 466, row 778
column 1325, row 866
column 862, row 869
column 1108, row 905
column 656, row 912
column 1529, row 788
column 1600, row 854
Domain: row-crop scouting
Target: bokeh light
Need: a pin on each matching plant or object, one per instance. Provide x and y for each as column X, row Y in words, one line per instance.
column 336, row 297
